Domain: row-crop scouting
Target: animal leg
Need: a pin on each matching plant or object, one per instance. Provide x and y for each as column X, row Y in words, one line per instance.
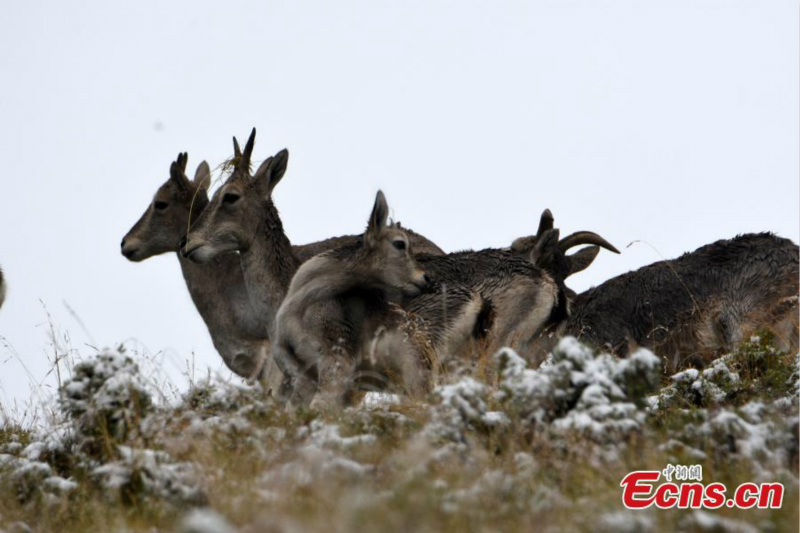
column 336, row 374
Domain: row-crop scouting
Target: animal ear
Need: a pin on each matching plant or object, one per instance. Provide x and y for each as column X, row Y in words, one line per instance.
column 261, row 177
column 377, row 220
column 202, row 176
column 523, row 245
column 581, row 259
column 545, row 247
column 270, row 172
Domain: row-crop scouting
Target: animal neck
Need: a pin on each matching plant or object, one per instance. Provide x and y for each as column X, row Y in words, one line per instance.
column 268, row 265
column 218, row 292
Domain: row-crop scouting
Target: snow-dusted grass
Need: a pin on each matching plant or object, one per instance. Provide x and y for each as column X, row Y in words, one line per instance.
column 532, row 450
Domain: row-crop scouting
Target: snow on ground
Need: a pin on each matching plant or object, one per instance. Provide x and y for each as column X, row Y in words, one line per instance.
column 524, row 449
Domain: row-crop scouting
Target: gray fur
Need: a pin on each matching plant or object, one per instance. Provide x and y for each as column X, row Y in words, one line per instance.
column 241, row 217
column 323, row 330
column 521, row 296
column 339, row 319
column 217, row 289
column 692, row 308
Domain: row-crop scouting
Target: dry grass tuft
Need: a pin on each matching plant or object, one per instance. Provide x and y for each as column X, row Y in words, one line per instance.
column 501, row 447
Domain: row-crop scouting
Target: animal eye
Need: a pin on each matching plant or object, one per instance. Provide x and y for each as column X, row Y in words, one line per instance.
column 230, row 198
column 399, row 244
column 158, row 204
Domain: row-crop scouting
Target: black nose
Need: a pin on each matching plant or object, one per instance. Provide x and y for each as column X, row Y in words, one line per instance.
column 122, row 244
column 182, row 243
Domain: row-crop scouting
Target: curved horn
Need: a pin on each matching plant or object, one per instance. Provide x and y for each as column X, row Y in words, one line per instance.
column 585, row 237
column 545, row 222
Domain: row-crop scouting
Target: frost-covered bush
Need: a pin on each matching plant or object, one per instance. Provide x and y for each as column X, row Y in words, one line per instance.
column 692, row 387
column 760, row 435
column 765, row 370
column 599, row 396
column 322, row 454
column 217, row 396
column 461, row 407
column 221, row 414
column 39, row 469
column 105, row 399
column 741, row 409
column 104, row 404
column 148, row 474
column 31, row 479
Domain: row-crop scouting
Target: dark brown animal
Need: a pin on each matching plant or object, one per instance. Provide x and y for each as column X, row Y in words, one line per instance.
column 693, row 308
column 546, row 250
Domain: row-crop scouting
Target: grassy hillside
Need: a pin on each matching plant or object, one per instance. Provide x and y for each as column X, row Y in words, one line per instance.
column 524, row 450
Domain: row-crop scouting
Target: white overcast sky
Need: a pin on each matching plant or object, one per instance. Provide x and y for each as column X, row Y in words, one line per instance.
column 671, row 123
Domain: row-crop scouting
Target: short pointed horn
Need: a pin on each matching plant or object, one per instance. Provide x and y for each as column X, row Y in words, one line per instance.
column 244, row 162
column 545, row 222
column 176, row 168
column 237, row 152
column 585, row 237
column 176, row 174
